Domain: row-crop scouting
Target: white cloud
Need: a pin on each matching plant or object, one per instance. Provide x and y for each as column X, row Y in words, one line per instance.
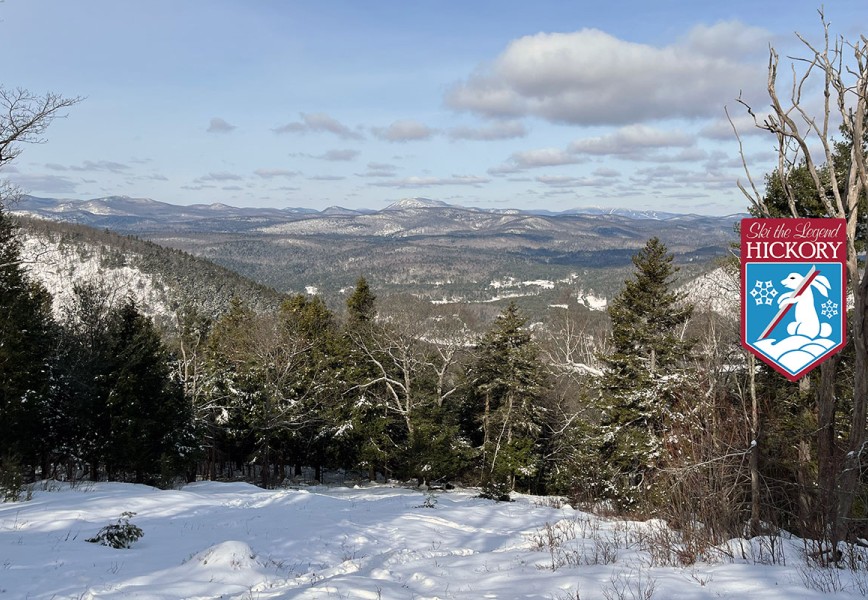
column 499, row 130
column 378, row 169
column 533, row 159
column 630, row 140
column 339, row 155
column 721, row 129
column 563, row 181
column 50, row 184
column 272, row 173
column 729, row 38
column 591, row 77
column 404, row 130
column 90, row 165
column 220, row 176
column 423, row 182
column 319, row 122
column 219, row 125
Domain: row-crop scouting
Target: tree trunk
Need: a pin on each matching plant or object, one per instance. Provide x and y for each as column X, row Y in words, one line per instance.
column 851, row 468
column 827, row 460
column 806, row 520
column 755, row 504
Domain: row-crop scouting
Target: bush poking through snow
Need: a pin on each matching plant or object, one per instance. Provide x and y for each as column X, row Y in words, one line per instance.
column 430, row 502
column 495, row 490
column 118, row 535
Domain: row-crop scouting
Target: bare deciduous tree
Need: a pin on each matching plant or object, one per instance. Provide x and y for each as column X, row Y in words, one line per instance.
column 805, row 141
column 24, row 117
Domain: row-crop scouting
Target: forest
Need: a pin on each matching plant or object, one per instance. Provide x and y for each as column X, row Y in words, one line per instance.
column 651, row 412
column 656, row 411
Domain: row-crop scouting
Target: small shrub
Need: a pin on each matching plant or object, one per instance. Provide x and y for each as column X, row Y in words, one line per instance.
column 430, row 502
column 118, row 535
column 495, row 490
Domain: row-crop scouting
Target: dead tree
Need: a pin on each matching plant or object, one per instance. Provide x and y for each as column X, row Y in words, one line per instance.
column 805, row 142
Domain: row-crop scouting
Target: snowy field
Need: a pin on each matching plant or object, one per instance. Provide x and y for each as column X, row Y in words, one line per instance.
column 233, row 540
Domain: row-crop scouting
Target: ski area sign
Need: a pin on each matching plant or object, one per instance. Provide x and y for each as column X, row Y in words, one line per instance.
column 793, row 291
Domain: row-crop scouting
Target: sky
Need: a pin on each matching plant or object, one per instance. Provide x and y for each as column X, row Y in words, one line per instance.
column 498, row 104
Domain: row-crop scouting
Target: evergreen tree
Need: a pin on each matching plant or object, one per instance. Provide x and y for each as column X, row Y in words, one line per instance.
column 361, row 307
column 364, row 423
column 226, row 391
column 256, row 362
column 26, row 351
column 150, row 419
column 84, row 383
column 647, row 322
column 826, row 393
column 311, row 442
column 506, row 383
column 642, row 380
column 122, row 410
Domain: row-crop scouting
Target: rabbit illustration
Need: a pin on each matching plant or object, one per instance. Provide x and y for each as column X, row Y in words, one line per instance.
column 806, row 322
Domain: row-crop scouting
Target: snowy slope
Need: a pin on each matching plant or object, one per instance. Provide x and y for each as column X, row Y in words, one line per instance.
column 59, row 267
column 236, row 541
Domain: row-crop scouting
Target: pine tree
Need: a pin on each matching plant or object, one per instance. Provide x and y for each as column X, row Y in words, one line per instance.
column 361, row 307
column 84, row 365
column 506, row 383
column 311, row 442
column 26, row 352
column 364, row 423
column 151, row 420
column 122, row 409
column 260, row 362
column 647, row 322
column 641, row 382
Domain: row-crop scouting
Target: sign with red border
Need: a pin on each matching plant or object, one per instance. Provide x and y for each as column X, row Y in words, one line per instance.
column 793, row 291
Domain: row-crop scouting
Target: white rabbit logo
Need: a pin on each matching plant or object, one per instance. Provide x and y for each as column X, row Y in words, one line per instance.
column 807, row 322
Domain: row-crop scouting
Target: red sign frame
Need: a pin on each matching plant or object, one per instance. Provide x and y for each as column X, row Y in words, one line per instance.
column 793, row 292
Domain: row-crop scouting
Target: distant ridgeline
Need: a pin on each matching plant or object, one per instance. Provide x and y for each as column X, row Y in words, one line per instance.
column 161, row 280
column 432, row 250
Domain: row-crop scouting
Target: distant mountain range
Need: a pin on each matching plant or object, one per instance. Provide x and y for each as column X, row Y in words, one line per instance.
column 142, row 213
column 424, row 247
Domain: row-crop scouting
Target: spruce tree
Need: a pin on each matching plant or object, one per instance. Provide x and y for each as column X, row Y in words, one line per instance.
column 26, row 351
column 641, row 381
column 151, row 420
column 361, row 414
column 311, row 442
column 506, row 383
column 361, row 307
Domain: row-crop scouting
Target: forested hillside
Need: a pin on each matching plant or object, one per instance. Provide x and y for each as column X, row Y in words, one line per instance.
column 161, row 280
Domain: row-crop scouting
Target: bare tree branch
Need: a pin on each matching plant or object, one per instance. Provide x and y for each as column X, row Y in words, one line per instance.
column 24, row 117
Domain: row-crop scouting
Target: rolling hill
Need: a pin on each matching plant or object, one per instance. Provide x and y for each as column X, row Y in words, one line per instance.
column 423, row 247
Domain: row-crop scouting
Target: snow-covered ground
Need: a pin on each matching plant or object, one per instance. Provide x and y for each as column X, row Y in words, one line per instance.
column 233, row 540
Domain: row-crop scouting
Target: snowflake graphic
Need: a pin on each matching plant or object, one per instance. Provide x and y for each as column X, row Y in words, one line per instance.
column 764, row 292
column 830, row 309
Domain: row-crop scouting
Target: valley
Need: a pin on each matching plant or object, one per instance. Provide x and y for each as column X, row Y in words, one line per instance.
column 429, row 249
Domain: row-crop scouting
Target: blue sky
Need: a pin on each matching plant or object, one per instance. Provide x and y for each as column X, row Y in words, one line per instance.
column 551, row 105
